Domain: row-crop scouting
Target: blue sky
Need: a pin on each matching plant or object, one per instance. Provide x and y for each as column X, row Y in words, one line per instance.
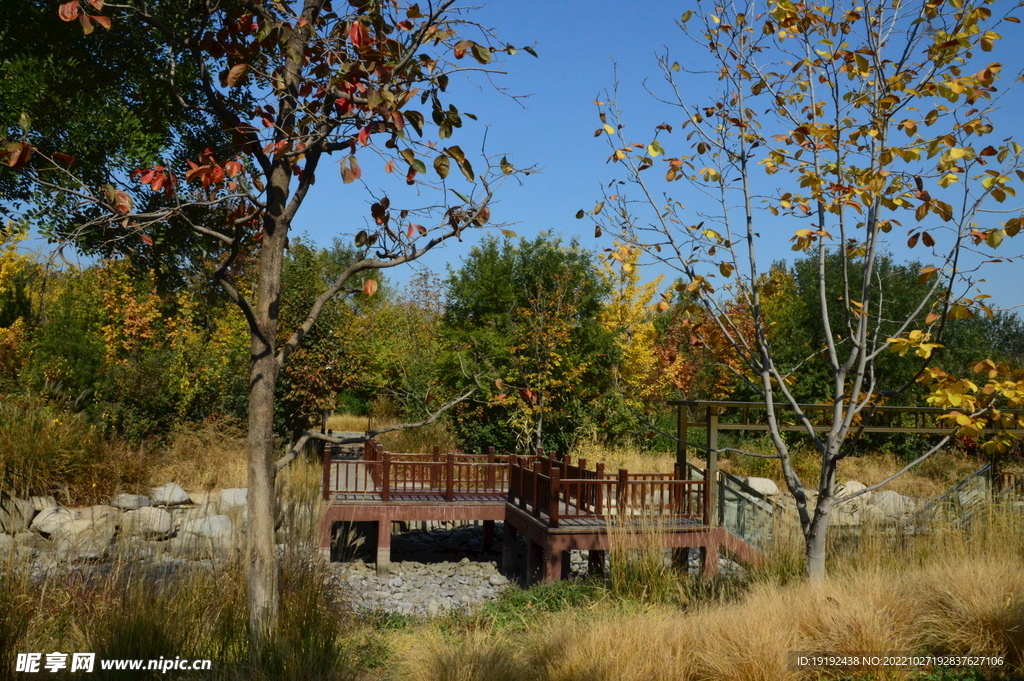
column 553, row 127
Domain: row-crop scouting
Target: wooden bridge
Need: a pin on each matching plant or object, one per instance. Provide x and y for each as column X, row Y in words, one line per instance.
column 556, row 504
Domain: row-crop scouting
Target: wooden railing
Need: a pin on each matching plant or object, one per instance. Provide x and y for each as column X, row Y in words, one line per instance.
column 387, row 474
column 538, row 486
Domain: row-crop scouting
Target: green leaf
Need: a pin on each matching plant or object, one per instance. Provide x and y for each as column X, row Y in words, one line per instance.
column 24, row 122
column 686, row 16
column 419, row 166
column 482, row 54
column 530, row 50
column 509, row 233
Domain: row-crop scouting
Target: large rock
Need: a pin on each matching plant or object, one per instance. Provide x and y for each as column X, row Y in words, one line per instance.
column 852, row 487
column 206, row 501
column 170, row 494
column 42, row 503
column 7, row 544
column 764, row 486
column 130, row 502
column 101, row 512
column 888, row 506
column 234, row 504
column 208, row 536
column 49, row 520
column 84, row 538
column 229, row 499
column 148, row 522
column 15, row 514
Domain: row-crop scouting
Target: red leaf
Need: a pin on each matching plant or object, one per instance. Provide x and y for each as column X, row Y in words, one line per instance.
column 102, row 21
column 86, row 21
column 233, row 168
column 358, row 35
column 370, row 287
column 69, row 10
column 122, row 202
column 146, row 239
column 364, row 136
column 66, row 159
column 389, row 167
column 98, row 4
column 18, row 154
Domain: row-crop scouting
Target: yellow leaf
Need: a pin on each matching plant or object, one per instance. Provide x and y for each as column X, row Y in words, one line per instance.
column 609, row 129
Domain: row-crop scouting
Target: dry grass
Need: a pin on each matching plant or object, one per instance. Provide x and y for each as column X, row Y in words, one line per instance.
column 956, row 591
column 210, row 455
column 412, row 440
column 952, row 607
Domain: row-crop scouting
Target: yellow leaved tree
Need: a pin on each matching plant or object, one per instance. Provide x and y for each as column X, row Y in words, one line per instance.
column 835, row 127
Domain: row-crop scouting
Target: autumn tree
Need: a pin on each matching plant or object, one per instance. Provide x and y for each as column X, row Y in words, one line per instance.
column 292, row 85
column 524, row 315
column 836, row 127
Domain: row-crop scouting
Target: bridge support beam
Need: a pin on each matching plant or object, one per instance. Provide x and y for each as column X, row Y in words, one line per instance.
column 383, row 527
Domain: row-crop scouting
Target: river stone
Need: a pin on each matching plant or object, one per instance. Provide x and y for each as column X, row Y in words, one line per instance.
column 207, row 501
column 201, row 537
column 148, row 522
column 49, row 520
column 84, row 538
column 764, row 486
column 229, row 499
column 101, row 513
column 887, row 506
column 852, row 487
column 130, row 502
column 170, row 494
column 15, row 514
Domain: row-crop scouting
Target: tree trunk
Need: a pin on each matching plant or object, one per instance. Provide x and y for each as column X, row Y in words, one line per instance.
column 262, row 578
column 816, row 540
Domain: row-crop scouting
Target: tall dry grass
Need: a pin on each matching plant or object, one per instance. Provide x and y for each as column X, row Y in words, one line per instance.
column 208, row 455
column 130, row 609
column 411, row 440
column 957, row 591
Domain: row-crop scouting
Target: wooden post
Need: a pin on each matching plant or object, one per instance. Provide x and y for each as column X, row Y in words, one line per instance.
column 711, row 472
column 327, row 474
column 435, row 473
column 553, row 499
column 621, row 494
column 491, row 472
column 599, row 502
column 449, row 491
column 384, row 546
column 488, row 534
column 508, row 544
column 682, row 432
column 385, row 489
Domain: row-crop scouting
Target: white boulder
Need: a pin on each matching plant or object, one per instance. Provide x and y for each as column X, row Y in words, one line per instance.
column 49, row 520
column 888, row 506
column 764, row 486
column 148, row 522
column 170, row 494
column 41, row 503
column 84, row 538
column 130, row 502
column 15, row 514
column 101, row 513
column 229, row 499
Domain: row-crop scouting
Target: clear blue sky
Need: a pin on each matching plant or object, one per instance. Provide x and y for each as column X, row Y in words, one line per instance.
column 578, row 44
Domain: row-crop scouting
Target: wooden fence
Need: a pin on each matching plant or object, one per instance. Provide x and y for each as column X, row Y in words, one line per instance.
column 555, row 490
